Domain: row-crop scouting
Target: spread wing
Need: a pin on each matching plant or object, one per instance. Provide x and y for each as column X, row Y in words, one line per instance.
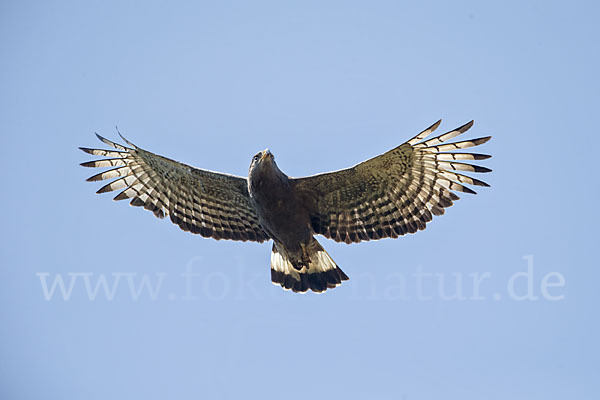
column 392, row 194
column 199, row 201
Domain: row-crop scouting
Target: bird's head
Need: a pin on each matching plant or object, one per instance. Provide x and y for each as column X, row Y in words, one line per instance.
column 261, row 160
column 263, row 166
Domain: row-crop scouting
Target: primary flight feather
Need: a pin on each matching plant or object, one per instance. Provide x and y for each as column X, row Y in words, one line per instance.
column 387, row 196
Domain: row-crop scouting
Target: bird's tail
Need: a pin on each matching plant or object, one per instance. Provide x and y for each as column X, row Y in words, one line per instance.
column 318, row 272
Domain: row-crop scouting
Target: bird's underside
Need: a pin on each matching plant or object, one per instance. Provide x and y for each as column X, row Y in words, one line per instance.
column 388, row 196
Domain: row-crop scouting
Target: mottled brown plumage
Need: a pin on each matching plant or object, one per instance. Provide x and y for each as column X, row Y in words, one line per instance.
column 390, row 195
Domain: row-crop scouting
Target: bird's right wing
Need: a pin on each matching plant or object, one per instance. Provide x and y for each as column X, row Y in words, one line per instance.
column 208, row 203
column 395, row 193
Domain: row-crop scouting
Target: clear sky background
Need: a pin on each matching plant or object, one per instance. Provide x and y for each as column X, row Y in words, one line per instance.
column 324, row 85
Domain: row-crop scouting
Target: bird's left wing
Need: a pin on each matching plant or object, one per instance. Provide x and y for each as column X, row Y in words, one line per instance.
column 209, row 203
column 395, row 193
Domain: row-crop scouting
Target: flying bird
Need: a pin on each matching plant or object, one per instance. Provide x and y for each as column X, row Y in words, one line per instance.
column 387, row 196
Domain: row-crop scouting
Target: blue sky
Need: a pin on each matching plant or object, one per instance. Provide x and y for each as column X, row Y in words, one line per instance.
column 324, row 85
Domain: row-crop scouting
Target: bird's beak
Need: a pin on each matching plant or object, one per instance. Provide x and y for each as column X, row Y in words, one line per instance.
column 266, row 154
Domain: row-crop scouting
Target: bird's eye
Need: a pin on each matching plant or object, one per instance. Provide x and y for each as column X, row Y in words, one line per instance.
column 256, row 158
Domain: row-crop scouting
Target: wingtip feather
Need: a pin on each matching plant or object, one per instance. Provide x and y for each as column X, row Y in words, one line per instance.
column 101, row 138
column 87, row 150
column 466, row 126
column 481, row 169
column 125, row 140
column 482, row 140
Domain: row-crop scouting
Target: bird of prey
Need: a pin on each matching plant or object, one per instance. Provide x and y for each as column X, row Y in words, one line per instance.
column 387, row 196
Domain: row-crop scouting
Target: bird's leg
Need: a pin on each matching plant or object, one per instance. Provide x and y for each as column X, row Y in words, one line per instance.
column 305, row 255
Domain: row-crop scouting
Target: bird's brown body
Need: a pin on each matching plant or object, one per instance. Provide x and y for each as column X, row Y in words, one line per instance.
column 298, row 262
column 279, row 210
